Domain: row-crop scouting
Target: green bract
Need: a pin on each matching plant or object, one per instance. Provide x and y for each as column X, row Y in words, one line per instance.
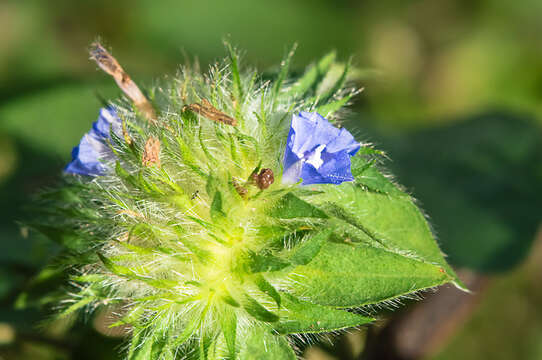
column 199, row 259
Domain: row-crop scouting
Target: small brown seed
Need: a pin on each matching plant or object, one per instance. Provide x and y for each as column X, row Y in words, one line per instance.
column 265, row 178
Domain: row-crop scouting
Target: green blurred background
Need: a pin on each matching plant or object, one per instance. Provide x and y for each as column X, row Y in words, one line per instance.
column 453, row 93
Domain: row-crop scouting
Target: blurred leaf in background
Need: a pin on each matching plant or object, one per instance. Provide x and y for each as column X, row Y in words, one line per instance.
column 480, row 180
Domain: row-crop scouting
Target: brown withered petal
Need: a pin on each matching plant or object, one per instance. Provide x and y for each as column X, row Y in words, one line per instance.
column 151, row 153
column 207, row 110
column 110, row 65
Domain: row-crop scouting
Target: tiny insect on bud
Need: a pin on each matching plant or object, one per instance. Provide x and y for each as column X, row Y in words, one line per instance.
column 151, row 153
column 264, row 179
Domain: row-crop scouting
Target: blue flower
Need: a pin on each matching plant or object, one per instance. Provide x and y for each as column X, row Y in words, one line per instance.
column 317, row 151
column 92, row 151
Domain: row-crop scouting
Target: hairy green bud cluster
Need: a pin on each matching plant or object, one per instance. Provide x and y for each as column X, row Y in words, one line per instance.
column 199, row 248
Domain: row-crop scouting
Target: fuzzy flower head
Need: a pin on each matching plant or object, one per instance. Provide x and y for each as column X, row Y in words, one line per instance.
column 92, row 151
column 194, row 242
column 317, row 152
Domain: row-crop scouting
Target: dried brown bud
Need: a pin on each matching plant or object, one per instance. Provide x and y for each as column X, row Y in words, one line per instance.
column 207, row 110
column 151, row 153
column 264, row 179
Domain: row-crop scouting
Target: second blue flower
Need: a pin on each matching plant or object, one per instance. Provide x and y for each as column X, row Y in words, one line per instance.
column 317, row 152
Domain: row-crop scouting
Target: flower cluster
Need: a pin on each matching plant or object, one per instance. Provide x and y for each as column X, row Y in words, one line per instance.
column 316, row 151
column 188, row 218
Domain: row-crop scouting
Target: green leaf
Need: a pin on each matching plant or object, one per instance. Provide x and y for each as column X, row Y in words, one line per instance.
column 481, row 181
column 228, row 299
column 283, row 73
column 78, row 305
column 366, row 174
column 267, row 288
column 131, row 318
column 306, row 251
column 348, row 275
column 330, row 108
column 149, row 187
column 299, row 316
column 202, row 254
column 228, row 322
column 149, row 348
column 212, row 185
column 217, row 213
column 139, row 348
column 186, row 153
column 260, row 344
column 291, row 207
column 132, row 273
column 339, row 85
column 394, row 222
column 188, row 158
column 264, row 262
column 114, row 268
column 68, row 194
column 90, row 278
column 236, row 78
column 189, row 330
column 159, row 347
column 125, row 175
column 165, row 284
column 140, row 250
column 312, row 76
column 205, row 149
column 234, row 150
column 255, row 309
column 368, row 150
column 141, row 231
column 206, row 347
column 64, row 237
column 43, row 288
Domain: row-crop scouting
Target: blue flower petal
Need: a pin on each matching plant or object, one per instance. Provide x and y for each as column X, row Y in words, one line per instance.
column 108, row 120
column 344, row 140
column 88, row 156
column 289, row 156
column 336, row 167
column 317, row 152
